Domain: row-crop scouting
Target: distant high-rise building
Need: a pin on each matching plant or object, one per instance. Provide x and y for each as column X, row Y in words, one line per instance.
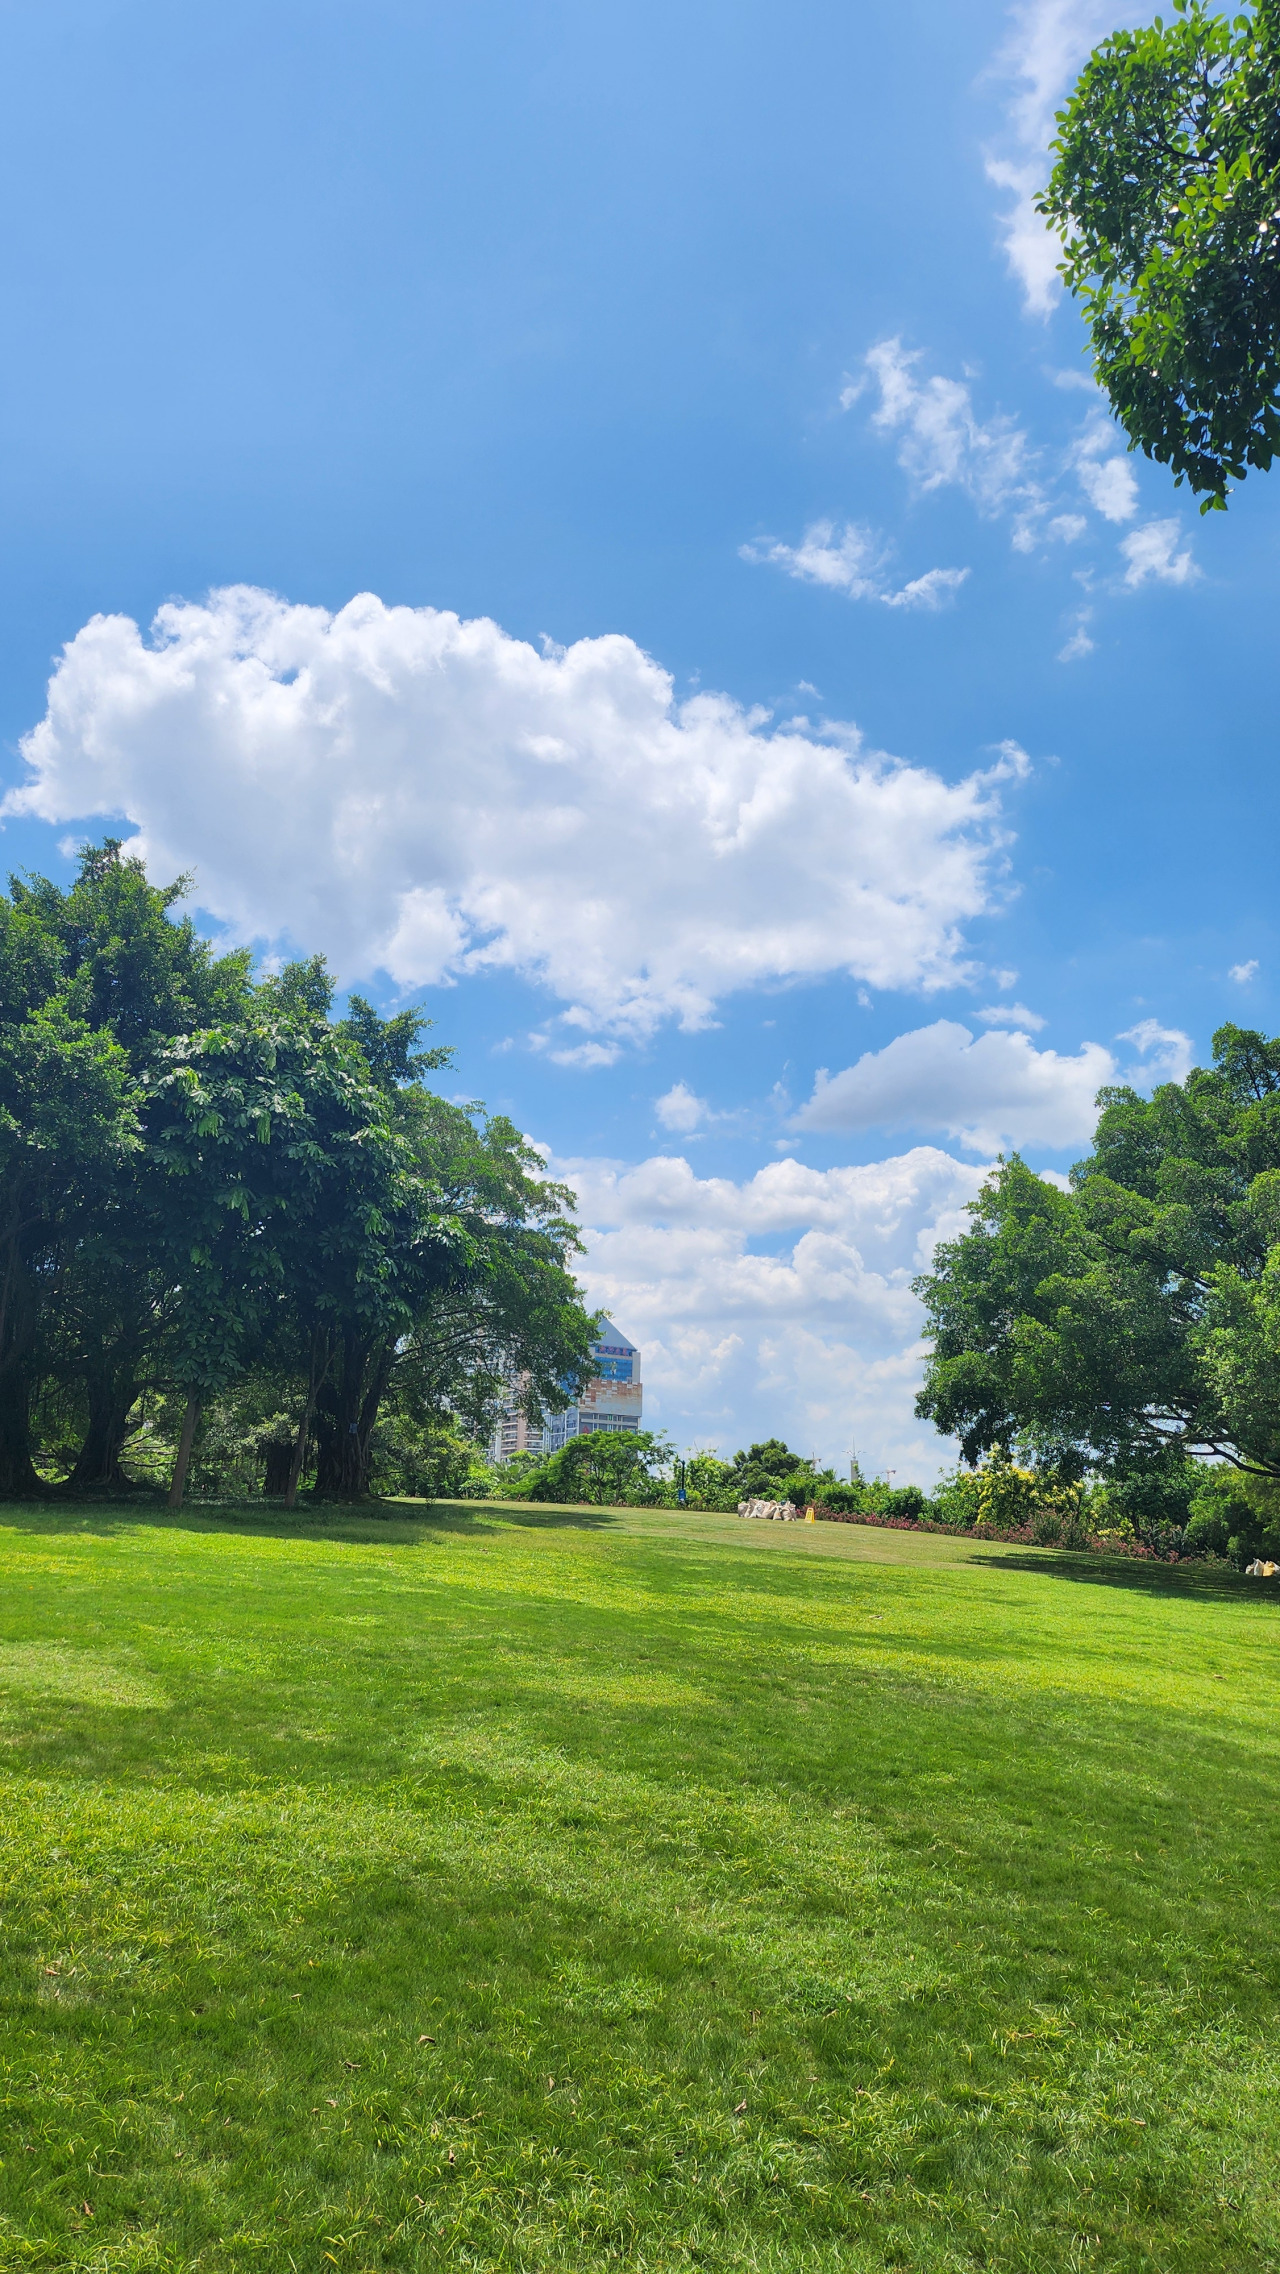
column 613, row 1399
column 512, row 1433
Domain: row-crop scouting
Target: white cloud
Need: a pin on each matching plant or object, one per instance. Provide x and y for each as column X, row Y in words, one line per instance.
column 852, row 560
column 1152, row 551
column 586, row 1056
column 1110, row 486
column 780, row 1306
column 431, row 797
column 941, row 440
column 1011, row 1014
column 932, row 590
column 1167, row 1053
column 1242, row 973
column 1080, row 642
column 991, row 1093
column 1050, row 41
column 1105, row 474
column 941, row 443
column 681, row 1110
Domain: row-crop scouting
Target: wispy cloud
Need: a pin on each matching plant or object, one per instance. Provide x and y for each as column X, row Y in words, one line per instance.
column 1050, row 41
column 1242, row 973
column 1153, row 552
column 1079, row 642
column 1011, row 1014
column 1167, row 1053
column 853, row 560
column 941, row 440
column 1105, row 472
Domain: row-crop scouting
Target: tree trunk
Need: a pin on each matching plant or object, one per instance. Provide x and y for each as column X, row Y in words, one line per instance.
column 279, row 1468
column 346, row 1421
column 317, row 1373
column 18, row 1479
column 299, row 1454
column 97, row 1466
column 185, row 1443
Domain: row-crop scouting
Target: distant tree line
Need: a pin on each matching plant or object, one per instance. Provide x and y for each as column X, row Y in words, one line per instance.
column 225, row 1212
column 1181, row 1506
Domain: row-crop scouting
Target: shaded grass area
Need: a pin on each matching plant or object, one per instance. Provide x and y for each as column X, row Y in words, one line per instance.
column 494, row 1888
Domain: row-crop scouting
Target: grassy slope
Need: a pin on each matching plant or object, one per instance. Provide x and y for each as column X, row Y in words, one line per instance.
column 539, row 1891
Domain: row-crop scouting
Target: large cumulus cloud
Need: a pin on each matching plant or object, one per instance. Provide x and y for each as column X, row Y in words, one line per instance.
column 781, row 1304
column 426, row 796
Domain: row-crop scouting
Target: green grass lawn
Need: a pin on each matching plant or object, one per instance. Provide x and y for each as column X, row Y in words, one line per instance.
column 480, row 1888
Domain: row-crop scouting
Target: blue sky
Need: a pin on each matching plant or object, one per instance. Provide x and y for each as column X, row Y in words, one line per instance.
column 709, row 342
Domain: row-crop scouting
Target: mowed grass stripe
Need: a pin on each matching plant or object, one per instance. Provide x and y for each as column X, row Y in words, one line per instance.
column 468, row 1889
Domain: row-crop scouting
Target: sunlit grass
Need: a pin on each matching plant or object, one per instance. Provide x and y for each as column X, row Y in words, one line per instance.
column 482, row 1888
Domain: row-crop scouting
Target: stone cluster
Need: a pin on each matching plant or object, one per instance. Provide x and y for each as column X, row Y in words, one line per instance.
column 775, row 1511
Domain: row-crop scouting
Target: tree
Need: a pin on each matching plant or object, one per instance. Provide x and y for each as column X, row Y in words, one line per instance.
column 610, row 1468
column 1166, row 193
column 1133, row 1321
column 493, row 1300
column 764, row 1472
column 230, row 1147
column 68, row 1123
column 109, row 957
column 202, row 1176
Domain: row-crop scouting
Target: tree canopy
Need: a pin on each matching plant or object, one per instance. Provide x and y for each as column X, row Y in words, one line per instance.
column 206, row 1177
column 1133, row 1321
column 1166, row 192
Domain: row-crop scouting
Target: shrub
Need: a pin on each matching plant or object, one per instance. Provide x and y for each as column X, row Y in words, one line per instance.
column 1152, row 1503
column 1007, row 1495
column 1208, row 1533
column 615, row 1468
column 955, row 1503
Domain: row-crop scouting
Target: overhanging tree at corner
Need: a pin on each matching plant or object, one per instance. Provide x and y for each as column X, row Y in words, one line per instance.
column 1166, row 192
column 1135, row 1319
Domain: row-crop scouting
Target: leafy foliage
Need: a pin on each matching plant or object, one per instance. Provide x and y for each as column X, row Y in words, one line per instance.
column 1166, row 192
column 1133, row 1323
column 206, row 1180
column 611, row 1468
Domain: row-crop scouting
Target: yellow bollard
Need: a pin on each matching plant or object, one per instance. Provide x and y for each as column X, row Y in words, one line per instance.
column 811, row 1515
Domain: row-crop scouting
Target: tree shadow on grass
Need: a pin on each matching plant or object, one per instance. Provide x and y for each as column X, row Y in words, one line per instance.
column 544, row 1516
column 1213, row 1582
column 383, row 1523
